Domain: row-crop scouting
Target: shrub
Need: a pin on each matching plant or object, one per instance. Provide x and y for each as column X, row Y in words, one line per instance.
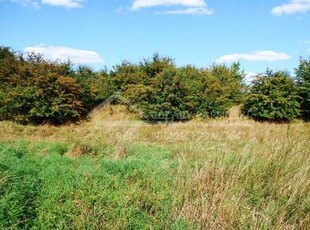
column 272, row 97
column 167, row 98
column 155, row 87
column 38, row 90
column 217, row 91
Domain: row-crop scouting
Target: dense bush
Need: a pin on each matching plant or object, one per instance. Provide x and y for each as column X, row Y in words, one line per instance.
column 272, row 97
column 34, row 90
column 303, row 83
column 164, row 92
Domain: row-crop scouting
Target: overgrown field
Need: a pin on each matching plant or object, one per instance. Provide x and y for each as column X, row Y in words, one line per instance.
column 116, row 172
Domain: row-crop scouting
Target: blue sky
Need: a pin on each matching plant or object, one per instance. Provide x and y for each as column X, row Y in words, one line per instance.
column 259, row 34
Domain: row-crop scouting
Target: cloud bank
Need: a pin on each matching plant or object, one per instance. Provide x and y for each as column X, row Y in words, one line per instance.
column 63, row 53
column 292, row 7
column 254, row 57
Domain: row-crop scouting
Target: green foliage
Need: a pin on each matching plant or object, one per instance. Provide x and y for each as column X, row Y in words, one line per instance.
column 125, row 74
column 303, row 82
column 156, row 65
column 230, row 80
column 272, row 97
column 217, row 89
column 35, row 90
column 167, row 98
column 164, row 92
column 103, row 85
column 87, row 79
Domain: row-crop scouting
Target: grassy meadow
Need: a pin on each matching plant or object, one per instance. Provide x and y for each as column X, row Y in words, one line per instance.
column 117, row 172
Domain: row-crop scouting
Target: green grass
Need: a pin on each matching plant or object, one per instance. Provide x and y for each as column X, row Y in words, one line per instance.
column 217, row 174
column 40, row 187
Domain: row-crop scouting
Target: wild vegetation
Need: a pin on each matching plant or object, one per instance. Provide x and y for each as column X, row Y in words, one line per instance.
column 118, row 170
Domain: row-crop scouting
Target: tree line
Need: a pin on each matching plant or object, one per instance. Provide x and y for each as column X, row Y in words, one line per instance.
column 36, row 90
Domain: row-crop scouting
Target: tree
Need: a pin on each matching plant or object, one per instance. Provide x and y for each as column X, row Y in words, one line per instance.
column 303, row 83
column 272, row 97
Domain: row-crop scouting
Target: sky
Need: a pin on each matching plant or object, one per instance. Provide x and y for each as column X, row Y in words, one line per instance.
column 259, row 34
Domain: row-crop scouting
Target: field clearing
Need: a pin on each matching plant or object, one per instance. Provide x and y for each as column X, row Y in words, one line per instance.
column 116, row 172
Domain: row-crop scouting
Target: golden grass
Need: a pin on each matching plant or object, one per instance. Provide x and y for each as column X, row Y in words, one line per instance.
column 122, row 126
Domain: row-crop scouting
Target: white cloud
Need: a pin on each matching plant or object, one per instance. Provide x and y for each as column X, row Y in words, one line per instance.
column 254, row 56
column 292, row 7
column 192, row 7
column 137, row 4
column 62, row 53
column 64, row 3
column 190, row 11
